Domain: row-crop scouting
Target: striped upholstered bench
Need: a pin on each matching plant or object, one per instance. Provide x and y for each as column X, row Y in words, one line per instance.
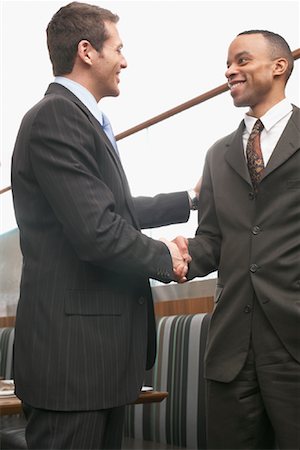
column 178, row 421
column 12, row 434
column 7, row 335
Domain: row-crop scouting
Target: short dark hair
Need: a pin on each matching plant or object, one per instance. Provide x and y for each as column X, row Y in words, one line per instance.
column 278, row 47
column 71, row 24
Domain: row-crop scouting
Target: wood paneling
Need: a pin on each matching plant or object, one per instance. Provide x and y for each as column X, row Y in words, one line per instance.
column 8, row 321
column 165, row 308
column 184, row 306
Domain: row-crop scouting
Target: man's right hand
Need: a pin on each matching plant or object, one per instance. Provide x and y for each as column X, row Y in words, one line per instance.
column 180, row 262
column 182, row 244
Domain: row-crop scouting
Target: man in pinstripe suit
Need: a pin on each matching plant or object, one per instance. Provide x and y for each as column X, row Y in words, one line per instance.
column 85, row 328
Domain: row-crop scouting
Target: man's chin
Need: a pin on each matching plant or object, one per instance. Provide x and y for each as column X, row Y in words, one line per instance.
column 115, row 93
column 239, row 103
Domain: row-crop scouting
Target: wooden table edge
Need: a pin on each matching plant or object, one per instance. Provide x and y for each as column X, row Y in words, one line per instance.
column 12, row 405
column 151, row 397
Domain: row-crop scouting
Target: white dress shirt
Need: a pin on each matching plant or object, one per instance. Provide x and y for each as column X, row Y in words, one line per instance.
column 83, row 95
column 274, row 121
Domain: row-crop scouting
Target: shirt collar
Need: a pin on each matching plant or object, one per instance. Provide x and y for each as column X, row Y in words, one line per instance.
column 272, row 116
column 83, row 94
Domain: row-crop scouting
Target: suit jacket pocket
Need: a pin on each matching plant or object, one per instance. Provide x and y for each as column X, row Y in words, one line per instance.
column 91, row 303
column 293, row 184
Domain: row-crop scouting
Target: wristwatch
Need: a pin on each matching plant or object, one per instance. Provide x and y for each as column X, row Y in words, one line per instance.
column 194, row 200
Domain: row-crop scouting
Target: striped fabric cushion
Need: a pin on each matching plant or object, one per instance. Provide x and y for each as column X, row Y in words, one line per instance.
column 7, row 335
column 180, row 419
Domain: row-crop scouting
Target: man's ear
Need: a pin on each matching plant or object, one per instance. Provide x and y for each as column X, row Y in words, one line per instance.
column 84, row 51
column 280, row 66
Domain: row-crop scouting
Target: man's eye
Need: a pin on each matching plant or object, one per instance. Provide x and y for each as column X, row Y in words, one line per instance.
column 242, row 60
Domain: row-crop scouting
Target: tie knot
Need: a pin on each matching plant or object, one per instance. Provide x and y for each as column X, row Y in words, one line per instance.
column 258, row 126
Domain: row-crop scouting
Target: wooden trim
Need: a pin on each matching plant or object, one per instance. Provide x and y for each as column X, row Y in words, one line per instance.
column 184, row 306
column 7, row 321
column 151, row 397
column 10, row 405
column 165, row 308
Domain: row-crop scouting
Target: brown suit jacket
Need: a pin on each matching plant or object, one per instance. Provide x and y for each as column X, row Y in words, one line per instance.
column 254, row 243
column 85, row 329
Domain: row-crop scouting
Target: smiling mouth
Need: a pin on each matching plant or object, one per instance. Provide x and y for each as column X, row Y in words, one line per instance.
column 233, row 86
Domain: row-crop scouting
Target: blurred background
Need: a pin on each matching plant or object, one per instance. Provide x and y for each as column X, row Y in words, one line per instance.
column 176, row 50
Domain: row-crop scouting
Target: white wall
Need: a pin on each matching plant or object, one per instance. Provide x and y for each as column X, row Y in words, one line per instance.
column 176, row 50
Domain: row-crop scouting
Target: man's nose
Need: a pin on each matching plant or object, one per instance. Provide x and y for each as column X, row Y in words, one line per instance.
column 231, row 70
column 124, row 63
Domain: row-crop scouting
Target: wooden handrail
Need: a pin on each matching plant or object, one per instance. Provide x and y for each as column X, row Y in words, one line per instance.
column 171, row 112
column 7, row 188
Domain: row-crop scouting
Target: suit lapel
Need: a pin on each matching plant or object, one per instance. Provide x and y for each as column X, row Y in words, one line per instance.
column 61, row 90
column 105, row 138
column 287, row 145
column 57, row 88
column 118, row 164
column 235, row 154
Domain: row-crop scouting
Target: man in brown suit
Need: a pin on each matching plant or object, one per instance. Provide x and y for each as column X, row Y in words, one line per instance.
column 251, row 235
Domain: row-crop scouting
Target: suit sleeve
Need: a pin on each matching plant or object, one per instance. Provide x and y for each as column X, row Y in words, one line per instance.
column 163, row 209
column 64, row 161
column 204, row 248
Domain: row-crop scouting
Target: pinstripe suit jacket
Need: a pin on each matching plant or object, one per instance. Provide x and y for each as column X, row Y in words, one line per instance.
column 85, row 328
column 254, row 243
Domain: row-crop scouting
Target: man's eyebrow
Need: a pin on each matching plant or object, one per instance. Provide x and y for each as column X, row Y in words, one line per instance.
column 243, row 53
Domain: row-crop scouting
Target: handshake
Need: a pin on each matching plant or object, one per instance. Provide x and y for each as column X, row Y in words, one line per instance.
column 178, row 248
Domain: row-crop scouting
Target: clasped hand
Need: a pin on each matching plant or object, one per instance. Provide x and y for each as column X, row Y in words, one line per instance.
column 180, row 257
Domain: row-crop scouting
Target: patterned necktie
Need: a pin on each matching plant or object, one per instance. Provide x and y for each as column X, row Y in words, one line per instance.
column 109, row 132
column 254, row 154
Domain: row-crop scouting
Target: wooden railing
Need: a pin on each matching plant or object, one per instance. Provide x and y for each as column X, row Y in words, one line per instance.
column 171, row 112
column 184, row 106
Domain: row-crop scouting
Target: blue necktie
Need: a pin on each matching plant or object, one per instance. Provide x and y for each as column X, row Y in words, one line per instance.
column 109, row 132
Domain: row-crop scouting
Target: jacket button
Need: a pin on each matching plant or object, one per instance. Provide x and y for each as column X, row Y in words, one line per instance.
column 247, row 309
column 141, row 300
column 253, row 268
column 256, row 229
column 298, row 283
column 251, row 195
